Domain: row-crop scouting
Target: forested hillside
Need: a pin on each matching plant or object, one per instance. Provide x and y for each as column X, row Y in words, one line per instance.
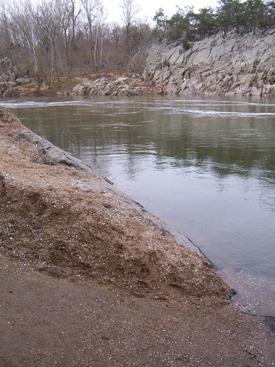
column 66, row 38
column 232, row 15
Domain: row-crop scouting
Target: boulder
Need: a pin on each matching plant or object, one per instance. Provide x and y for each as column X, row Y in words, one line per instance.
column 106, row 87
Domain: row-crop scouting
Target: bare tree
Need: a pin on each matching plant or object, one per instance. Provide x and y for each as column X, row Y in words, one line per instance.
column 129, row 16
column 5, row 38
column 68, row 15
column 47, row 31
column 94, row 13
column 22, row 27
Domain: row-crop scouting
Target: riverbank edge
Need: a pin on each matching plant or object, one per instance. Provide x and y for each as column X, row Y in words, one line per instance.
column 81, row 184
column 219, row 65
column 49, row 198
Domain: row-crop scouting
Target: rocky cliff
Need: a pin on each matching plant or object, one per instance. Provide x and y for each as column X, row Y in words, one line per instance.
column 221, row 64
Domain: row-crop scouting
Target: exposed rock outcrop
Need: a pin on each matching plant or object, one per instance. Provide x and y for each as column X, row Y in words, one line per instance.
column 11, row 85
column 220, row 65
column 106, row 87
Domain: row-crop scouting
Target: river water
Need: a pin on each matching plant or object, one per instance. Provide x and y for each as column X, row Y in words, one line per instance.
column 206, row 166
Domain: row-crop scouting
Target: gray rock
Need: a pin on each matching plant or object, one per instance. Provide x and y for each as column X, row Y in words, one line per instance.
column 227, row 65
column 106, row 86
column 21, row 81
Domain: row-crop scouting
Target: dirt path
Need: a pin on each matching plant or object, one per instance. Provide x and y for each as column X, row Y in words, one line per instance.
column 88, row 278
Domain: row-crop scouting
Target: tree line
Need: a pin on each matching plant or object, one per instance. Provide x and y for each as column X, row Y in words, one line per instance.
column 55, row 37
column 232, row 15
column 69, row 37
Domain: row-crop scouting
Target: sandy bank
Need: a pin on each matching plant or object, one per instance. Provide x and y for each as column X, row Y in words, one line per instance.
column 58, row 217
column 63, row 219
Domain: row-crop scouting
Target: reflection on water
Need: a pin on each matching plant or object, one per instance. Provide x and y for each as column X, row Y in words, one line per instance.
column 207, row 166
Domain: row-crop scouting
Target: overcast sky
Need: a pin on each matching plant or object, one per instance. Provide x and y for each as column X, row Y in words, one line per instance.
column 150, row 7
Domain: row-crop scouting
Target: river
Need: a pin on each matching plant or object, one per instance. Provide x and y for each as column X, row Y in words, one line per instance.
column 206, row 166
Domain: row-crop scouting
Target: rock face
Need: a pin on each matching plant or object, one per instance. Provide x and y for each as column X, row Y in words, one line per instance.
column 106, row 87
column 220, row 65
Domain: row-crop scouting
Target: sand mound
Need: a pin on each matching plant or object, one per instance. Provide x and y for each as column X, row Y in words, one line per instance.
column 62, row 218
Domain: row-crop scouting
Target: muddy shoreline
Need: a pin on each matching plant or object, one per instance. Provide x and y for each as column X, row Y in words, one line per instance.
column 76, row 254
